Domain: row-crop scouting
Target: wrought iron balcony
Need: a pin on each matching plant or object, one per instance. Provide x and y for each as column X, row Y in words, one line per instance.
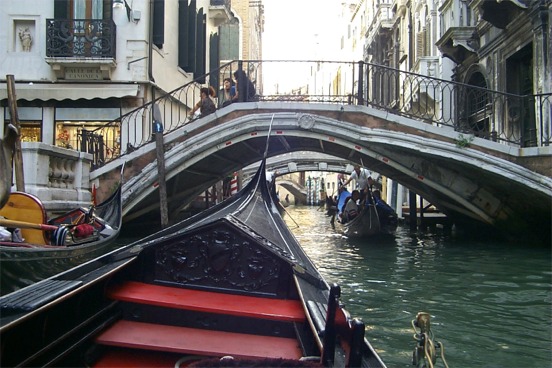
column 80, row 38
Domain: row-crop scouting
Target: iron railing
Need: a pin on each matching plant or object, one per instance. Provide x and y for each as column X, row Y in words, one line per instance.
column 522, row 121
column 80, row 38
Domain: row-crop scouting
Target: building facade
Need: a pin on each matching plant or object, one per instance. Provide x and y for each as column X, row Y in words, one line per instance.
column 80, row 64
column 496, row 52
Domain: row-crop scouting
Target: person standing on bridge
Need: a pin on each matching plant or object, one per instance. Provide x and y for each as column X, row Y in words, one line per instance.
column 363, row 179
column 205, row 105
column 245, row 89
column 227, row 92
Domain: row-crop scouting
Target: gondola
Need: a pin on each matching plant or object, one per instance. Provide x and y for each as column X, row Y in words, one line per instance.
column 48, row 247
column 228, row 284
column 375, row 217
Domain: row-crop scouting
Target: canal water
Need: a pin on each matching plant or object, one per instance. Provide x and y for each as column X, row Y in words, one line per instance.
column 490, row 301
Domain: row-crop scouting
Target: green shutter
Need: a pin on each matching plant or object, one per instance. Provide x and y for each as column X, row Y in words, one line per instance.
column 61, row 9
column 214, row 61
column 191, row 37
column 159, row 23
column 183, row 40
column 201, row 42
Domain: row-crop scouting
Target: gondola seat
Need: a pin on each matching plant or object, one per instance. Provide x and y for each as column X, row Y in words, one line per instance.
column 153, row 333
column 206, row 301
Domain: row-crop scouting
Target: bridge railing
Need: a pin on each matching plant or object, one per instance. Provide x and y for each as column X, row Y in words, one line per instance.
column 522, row 121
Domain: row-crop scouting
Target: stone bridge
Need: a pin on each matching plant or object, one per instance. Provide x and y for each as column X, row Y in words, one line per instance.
column 472, row 180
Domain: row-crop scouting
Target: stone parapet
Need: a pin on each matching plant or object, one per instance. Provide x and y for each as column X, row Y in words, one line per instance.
column 59, row 177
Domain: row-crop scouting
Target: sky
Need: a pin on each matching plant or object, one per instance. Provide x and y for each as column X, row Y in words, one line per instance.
column 295, row 30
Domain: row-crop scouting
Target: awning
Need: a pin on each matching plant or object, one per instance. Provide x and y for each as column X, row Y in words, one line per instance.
column 69, row 91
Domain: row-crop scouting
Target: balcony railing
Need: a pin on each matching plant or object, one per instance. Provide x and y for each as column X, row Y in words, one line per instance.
column 521, row 121
column 90, row 38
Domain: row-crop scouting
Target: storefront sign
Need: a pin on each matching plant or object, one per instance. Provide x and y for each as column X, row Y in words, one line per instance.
column 80, row 73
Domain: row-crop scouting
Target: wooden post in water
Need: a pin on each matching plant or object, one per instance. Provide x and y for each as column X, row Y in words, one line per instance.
column 422, row 209
column 160, row 153
column 412, row 210
column 163, row 206
column 14, row 119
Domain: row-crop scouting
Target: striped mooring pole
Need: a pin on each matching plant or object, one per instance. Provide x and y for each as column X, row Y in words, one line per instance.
column 234, row 184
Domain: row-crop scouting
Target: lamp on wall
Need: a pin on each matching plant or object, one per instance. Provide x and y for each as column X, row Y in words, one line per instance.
column 122, row 3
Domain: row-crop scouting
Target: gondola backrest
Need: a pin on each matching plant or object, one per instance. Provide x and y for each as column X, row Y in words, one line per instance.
column 28, row 208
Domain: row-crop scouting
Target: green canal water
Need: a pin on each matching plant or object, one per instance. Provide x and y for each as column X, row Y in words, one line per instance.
column 490, row 301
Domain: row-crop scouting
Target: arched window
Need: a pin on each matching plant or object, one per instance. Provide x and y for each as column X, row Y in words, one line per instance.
column 476, row 107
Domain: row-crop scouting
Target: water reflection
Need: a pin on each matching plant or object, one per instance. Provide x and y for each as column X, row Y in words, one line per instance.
column 490, row 302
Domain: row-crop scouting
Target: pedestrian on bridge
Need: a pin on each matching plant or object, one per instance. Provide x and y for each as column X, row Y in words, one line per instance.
column 206, row 105
column 227, row 93
column 245, row 89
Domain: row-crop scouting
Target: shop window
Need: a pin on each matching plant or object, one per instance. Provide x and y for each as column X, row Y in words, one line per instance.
column 92, row 137
column 31, row 131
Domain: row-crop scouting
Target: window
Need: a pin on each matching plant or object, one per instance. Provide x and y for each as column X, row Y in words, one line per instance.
column 31, row 131
column 73, row 134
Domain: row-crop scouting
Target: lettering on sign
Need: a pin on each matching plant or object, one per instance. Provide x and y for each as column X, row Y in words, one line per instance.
column 83, row 73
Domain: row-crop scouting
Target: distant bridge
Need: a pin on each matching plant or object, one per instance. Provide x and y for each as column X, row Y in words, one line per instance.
column 302, row 161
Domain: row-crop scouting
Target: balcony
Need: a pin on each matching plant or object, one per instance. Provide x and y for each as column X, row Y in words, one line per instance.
column 458, row 43
column 220, row 11
column 382, row 23
column 380, row 29
column 81, row 48
column 500, row 12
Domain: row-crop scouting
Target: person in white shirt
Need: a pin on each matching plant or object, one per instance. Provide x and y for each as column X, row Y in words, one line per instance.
column 363, row 178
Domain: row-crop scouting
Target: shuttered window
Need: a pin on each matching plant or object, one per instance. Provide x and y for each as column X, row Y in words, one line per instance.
column 183, row 39
column 159, row 23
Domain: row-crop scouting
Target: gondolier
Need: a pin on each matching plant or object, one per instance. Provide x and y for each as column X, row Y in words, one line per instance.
column 363, row 179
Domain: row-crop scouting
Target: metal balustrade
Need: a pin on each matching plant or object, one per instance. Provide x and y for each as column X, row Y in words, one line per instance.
column 521, row 121
column 94, row 38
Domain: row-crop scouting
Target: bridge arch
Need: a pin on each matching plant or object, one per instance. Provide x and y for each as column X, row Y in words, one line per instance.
column 467, row 183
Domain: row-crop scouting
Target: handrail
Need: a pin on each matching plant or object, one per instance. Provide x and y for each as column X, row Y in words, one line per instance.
column 521, row 121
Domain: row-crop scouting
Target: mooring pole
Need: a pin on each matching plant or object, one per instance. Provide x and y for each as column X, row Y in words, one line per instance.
column 160, row 153
column 412, row 210
column 422, row 209
column 163, row 207
column 14, row 119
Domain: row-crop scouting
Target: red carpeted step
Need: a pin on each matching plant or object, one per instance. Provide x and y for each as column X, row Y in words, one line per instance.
column 211, row 302
column 186, row 340
column 131, row 358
